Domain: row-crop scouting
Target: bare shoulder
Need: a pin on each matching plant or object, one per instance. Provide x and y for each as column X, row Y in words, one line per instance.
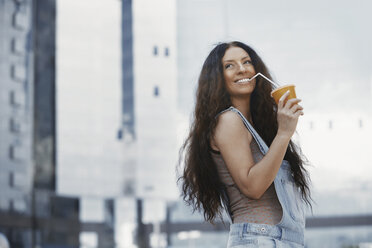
column 228, row 120
column 230, row 126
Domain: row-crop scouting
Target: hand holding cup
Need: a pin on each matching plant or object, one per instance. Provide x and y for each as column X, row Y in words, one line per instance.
column 288, row 112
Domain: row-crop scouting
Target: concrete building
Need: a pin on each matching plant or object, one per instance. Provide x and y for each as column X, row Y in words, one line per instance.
column 89, row 160
column 27, row 166
column 16, row 108
column 29, row 205
column 155, row 53
column 16, row 115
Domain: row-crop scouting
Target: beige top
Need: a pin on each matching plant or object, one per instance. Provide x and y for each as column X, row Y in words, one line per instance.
column 266, row 210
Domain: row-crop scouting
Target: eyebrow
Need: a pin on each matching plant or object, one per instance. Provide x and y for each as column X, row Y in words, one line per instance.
column 230, row 60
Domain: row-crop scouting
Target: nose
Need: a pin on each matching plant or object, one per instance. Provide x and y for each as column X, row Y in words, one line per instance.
column 242, row 68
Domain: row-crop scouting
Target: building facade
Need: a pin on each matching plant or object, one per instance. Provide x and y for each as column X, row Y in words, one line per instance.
column 31, row 213
column 16, row 108
column 16, row 116
column 155, row 91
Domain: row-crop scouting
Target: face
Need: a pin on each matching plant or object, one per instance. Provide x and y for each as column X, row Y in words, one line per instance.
column 237, row 69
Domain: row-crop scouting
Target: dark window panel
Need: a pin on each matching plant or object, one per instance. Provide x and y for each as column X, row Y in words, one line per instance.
column 44, row 50
column 155, row 50
column 127, row 68
column 11, row 179
column 11, row 205
column 156, row 91
column 119, row 135
column 64, row 207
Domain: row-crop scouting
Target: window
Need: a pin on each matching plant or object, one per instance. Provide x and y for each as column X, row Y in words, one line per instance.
column 360, row 123
column 18, row 73
column 17, row 98
column 15, row 126
column 19, row 205
column 155, row 50
column 119, row 135
column 166, row 52
column 156, row 91
column 11, row 179
column 18, row 47
column 16, row 153
column 19, row 20
column 11, row 205
column 19, row 180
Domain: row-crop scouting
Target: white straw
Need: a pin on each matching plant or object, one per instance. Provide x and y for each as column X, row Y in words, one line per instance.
column 260, row 74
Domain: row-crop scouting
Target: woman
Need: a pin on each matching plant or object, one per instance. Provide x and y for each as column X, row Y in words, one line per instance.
column 239, row 154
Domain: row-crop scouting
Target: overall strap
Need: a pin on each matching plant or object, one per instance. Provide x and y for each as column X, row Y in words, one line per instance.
column 261, row 143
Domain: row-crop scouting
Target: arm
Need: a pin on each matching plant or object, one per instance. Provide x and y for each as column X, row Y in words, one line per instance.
column 233, row 140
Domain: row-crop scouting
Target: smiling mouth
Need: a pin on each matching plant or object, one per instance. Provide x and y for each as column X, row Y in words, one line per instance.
column 242, row 81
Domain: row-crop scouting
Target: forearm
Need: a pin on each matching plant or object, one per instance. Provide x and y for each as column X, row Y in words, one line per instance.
column 262, row 174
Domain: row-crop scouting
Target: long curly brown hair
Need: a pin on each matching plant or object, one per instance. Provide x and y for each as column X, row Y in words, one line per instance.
column 201, row 185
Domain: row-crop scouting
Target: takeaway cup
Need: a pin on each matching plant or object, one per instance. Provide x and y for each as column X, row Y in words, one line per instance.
column 278, row 92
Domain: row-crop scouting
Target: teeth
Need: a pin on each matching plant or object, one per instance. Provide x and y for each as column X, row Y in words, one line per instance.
column 243, row 80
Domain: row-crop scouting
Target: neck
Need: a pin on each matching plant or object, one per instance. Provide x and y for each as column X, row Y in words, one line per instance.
column 243, row 105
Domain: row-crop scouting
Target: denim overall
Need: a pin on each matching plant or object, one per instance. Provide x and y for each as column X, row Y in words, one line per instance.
column 289, row 232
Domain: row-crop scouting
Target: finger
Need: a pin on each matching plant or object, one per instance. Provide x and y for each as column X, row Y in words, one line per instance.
column 291, row 102
column 282, row 99
column 298, row 113
column 295, row 108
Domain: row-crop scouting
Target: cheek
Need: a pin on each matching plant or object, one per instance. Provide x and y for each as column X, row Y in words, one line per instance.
column 227, row 76
column 228, row 86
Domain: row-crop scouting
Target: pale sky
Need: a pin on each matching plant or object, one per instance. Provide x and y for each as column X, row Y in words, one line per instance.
column 323, row 47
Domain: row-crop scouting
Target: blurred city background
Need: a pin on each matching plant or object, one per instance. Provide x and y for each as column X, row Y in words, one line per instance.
column 96, row 99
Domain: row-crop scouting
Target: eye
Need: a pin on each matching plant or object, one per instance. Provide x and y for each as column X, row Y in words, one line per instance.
column 227, row 66
column 247, row 62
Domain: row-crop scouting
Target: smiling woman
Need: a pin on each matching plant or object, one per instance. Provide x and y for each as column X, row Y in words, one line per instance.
column 239, row 155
